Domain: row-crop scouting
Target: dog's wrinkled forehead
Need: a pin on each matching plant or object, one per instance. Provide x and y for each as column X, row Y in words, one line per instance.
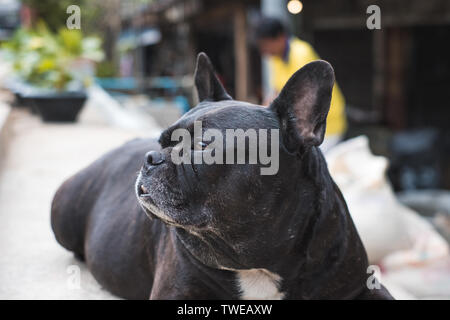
column 228, row 114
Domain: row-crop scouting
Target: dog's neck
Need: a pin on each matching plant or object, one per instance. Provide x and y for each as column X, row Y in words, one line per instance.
column 329, row 259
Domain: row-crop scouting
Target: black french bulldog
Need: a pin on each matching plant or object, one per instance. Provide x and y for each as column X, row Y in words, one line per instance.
column 221, row 231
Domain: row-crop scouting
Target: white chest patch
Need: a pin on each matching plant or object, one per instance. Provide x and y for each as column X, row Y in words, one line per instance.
column 259, row 284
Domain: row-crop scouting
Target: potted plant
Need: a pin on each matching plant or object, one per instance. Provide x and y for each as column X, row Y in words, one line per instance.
column 53, row 69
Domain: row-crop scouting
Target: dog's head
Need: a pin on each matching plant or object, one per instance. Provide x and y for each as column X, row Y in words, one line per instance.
column 234, row 204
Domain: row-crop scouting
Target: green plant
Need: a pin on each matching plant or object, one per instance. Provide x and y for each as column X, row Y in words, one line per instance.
column 46, row 59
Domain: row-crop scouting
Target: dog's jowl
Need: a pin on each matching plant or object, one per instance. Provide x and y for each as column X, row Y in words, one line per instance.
column 150, row 227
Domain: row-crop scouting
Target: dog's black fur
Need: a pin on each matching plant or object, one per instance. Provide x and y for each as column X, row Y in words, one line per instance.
column 215, row 220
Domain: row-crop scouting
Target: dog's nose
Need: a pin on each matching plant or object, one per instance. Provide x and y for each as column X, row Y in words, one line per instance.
column 154, row 158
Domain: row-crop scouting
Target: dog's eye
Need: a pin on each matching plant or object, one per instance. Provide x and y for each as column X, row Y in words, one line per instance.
column 200, row 145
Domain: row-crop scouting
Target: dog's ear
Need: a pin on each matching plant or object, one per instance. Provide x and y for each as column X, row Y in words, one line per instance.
column 206, row 82
column 303, row 103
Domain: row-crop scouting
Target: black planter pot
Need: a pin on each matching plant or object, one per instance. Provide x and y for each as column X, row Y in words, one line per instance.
column 59, row 107
column 23, row 101
column 20, row 90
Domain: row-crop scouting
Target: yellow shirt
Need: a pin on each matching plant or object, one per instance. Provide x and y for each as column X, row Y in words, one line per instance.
column 301, row 53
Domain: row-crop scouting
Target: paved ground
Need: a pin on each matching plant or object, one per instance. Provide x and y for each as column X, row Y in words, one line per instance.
column 38, row 158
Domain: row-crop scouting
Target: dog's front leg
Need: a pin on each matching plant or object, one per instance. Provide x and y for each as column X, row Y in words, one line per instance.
column 177, row 280
column 178, row 275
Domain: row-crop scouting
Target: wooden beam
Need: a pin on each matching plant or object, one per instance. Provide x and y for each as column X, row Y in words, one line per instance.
column 240, row 53
column 379, row 62
column 398, row 42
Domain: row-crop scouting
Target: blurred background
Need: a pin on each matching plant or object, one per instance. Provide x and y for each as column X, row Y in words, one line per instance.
column 128, row 70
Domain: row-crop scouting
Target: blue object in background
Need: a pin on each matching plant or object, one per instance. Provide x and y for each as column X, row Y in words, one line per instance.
column 117, row 83
column 182, row 103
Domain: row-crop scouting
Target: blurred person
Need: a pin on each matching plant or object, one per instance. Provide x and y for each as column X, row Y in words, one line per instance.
column 286, row 54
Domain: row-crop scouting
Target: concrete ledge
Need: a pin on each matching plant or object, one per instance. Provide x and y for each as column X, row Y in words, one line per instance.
column 5, row 113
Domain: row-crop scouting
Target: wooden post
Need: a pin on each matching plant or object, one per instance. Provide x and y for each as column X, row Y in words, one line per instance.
column 396, row 64
column 379, row 61
column 240, row 53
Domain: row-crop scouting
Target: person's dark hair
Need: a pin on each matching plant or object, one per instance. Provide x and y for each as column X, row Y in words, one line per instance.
column 268, row 27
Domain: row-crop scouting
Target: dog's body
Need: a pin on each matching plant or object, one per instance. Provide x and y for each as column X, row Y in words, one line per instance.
column 222, row 231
